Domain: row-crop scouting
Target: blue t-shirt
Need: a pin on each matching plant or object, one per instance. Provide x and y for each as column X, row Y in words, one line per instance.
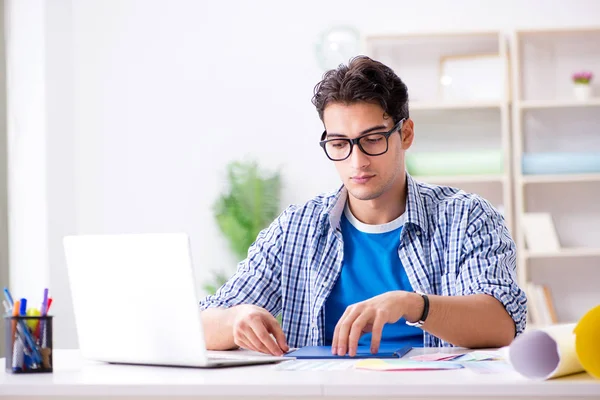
column 371, row 267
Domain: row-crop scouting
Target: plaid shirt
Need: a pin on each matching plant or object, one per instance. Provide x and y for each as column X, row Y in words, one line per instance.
column 453, row 244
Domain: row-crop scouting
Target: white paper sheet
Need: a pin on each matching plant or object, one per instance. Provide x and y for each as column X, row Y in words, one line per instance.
column 315, row 365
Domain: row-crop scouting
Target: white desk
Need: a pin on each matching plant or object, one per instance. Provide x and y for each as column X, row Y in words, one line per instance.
column 83, row 379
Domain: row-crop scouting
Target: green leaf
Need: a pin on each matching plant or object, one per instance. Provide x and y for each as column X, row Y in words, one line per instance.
column 250, row 203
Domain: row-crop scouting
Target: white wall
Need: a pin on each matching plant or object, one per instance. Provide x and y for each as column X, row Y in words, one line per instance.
column 26, row 145
column 3, row 168
column 148, row 100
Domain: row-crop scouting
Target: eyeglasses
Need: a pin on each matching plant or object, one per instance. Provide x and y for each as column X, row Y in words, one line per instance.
column 372, row 144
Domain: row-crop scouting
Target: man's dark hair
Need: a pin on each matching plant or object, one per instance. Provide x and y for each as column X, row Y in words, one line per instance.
column 363, row 79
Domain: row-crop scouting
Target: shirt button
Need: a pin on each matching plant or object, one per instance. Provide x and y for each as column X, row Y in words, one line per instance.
column 418, row 233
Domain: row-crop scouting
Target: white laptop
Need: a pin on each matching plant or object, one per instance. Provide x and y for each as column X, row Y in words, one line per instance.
column 134, row 297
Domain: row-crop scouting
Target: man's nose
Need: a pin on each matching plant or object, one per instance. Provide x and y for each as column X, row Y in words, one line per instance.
column 358, row 159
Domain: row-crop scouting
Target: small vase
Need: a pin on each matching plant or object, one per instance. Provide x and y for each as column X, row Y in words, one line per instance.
column 582, row 91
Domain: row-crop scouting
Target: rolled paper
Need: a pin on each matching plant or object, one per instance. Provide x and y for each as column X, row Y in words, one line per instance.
column 587, row 341
column 545, row 353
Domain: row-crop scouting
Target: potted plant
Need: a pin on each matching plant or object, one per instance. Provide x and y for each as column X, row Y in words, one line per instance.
column 581, row 82
column 249, row 204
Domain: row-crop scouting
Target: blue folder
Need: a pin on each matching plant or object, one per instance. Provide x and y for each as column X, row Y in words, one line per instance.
column 324, row 352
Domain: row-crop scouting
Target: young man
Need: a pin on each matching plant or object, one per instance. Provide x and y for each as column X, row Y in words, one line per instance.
column 384, row 258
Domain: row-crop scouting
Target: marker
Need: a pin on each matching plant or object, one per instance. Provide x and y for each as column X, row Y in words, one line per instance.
column 45, row 303
column 37, row 313
column 23, row 307
column 42, row 334
column 13, row 323
column 33, row 323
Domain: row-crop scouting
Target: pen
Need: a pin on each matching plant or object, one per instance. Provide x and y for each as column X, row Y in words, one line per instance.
column 8, row 297
column 42, row 338
column 22, row 330
column 25, row 355
column 18, row 348
column 24, row 343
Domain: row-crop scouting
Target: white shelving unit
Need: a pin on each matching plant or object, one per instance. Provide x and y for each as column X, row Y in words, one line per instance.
column 548, row 118
column 565, row 253
column 466, row 106
column 545, row 104
column 560, row 178
column 462, row 179
column 459, row 125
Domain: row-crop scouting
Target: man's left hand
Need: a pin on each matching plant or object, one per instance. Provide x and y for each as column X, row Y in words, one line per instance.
column 368, row 316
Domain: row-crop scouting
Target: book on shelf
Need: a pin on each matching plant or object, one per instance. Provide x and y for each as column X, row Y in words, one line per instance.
column 540, row 233
column 540, row 304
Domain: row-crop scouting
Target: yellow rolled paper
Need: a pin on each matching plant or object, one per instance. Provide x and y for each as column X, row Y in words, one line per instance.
column 587, row 341
column 545, row 353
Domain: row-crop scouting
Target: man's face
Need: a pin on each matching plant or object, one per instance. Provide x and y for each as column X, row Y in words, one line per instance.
column 366, row 177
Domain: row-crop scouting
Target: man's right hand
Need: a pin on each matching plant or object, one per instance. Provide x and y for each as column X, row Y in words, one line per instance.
column 252, row 330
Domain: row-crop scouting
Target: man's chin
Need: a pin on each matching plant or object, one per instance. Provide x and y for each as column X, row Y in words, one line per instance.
column 364, row 193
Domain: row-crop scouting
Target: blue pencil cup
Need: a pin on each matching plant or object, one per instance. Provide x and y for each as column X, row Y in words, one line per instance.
column 28, row 344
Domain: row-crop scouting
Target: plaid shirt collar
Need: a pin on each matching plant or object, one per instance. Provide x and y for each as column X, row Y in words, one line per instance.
column 415, row 209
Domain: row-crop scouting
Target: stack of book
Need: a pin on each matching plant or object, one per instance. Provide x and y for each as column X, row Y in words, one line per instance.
column 540, row 305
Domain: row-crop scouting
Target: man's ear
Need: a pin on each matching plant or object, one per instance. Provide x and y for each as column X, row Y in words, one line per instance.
column 408, row 133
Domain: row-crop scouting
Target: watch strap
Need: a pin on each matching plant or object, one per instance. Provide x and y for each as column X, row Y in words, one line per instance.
column 425, row 313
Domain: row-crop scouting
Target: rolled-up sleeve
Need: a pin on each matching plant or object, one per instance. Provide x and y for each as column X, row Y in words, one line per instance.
column 257, row 280
column 488, row 262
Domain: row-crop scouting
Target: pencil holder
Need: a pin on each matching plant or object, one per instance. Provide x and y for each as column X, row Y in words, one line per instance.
column 28, row 344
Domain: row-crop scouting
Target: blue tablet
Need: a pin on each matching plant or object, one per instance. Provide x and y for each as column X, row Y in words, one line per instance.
column 324, row 352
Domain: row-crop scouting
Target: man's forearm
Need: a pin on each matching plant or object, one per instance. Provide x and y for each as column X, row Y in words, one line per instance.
column 218, row 328
column 474, row 321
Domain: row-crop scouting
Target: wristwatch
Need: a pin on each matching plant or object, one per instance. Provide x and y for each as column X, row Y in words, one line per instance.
column 421, row 320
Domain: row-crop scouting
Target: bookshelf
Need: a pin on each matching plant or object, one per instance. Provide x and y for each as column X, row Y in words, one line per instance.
column 453, row 123
column 558, row 178
column 568, row 103
column 536, row 122
column 553, row 129
column 565, row 253
column 463, row 106
column 462, row 179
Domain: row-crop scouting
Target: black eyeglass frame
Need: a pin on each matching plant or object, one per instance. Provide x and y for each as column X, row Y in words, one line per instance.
column 356, row 141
